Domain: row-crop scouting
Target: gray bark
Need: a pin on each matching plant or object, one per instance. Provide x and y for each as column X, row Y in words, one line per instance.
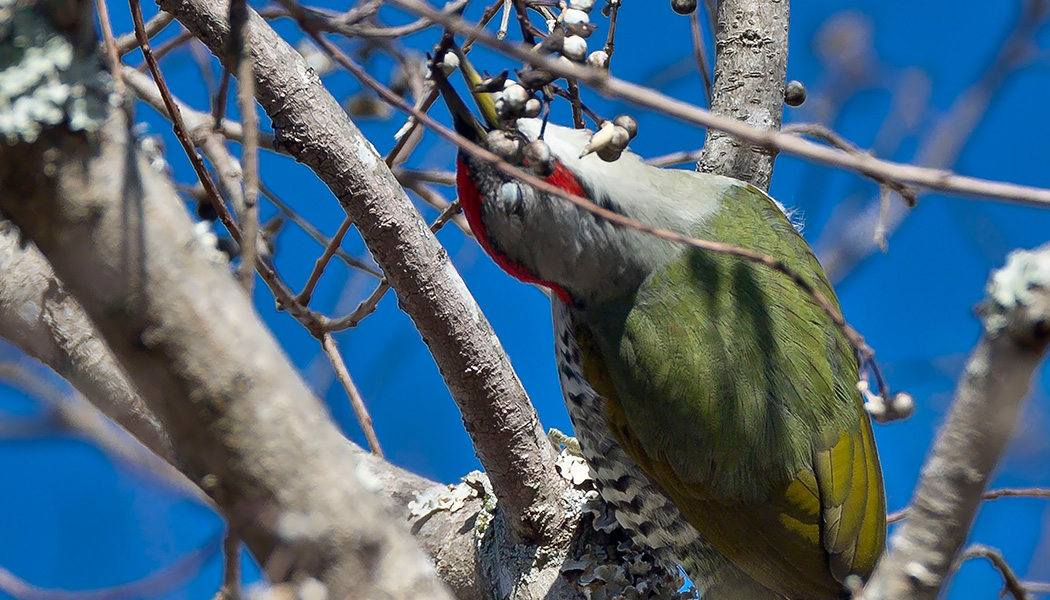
column 751, row 41
column 244, row 424
column 311, row 126
column 41, row 318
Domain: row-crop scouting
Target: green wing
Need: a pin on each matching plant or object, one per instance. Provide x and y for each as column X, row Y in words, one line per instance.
column 736, row 394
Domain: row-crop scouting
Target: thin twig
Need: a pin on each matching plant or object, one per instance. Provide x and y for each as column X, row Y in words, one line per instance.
column 501, row 33
column 610, row 40
column 577, row 104
column 522, row 12
column 351, row 261
column 434, row 176
column 368, row 305
column 218, row 105
column 996, row 494
column 155, row 584
column 396, row 154
column 311, row 320
column 435, row 200
column 1036, row 587
column 322, row 261
column 574, row 101
column 128, row 42
column 1011, row 583
column 700, row 51
column 358, row 404
column 179, row 125
column 879, row 234
column 164, row 49
column 250, row 146
column 231, row 567
column 112, row 52
column 350, row 24
column 365, row 308
column 675, row 158
column 147, row 91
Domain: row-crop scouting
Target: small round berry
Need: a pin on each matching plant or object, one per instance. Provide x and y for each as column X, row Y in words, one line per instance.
column 571, row 16
column 609, row 153
column 532, row 108
column 598, row 59
column 574, row 48
column 506, row 146
column 683, row 7
column 794, row 93
column 628, row 124
column 538, row 154
column 449, row 63
column 620, row 138
column 515, row 97
column 903, row 404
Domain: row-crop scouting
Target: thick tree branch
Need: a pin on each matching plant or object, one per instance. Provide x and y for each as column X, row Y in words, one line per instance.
column 310, row 125
column 1016, row 318
column 751, row 51
column 244, row 423
column 41, row 318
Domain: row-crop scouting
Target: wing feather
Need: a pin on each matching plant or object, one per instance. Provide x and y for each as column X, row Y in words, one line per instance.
column 714, row 388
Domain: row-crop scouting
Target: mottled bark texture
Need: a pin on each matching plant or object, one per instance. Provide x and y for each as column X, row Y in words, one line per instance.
column 751, row 43
column 1016, row 318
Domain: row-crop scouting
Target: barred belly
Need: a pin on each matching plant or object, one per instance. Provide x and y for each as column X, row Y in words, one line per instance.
column 641, row 508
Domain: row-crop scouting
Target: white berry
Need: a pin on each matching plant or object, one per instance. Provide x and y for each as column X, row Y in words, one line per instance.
column 598, row 59
column 574, row 48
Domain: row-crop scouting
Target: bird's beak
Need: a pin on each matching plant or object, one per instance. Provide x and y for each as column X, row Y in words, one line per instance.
column 465, row 122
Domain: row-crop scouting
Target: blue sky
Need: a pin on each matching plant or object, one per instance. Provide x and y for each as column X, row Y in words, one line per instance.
column 73, row 518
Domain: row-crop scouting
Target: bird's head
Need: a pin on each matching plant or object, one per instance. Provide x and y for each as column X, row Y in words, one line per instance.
column 539, row 237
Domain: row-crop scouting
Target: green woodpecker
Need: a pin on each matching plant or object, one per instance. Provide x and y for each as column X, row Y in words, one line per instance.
column 714, row 400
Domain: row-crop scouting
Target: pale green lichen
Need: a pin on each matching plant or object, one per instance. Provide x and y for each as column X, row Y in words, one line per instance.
column 44, row 81
column 450, row 498
column 1014, row 285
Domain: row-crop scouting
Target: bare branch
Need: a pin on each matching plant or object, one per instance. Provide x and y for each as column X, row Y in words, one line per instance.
column 129, row 41
column 1016, row 319
column 1011, row 584
column 242, row 58
column 322, row 261
column 110, row 43
column 995, row 494
column 162, row 582
column 700, row 53
column 146, row 90
column 352, row 393
column 941, row 148
column 39, row 316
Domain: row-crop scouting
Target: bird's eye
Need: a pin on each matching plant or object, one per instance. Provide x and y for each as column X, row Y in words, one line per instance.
column 510, row 196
